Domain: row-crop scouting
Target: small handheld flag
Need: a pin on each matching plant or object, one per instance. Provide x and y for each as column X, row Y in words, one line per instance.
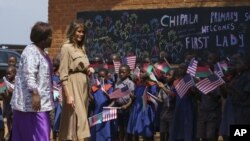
column 119, row 93
column 192, row 67
column 185, row 83
column 210, row 83
column 109, row 113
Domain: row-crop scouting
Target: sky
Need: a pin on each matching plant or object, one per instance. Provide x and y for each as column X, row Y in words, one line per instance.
column 17, row 18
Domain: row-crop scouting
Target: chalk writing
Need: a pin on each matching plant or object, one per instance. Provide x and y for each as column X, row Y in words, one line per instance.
column 174, row 31
column 179, row 20
column 217, row 17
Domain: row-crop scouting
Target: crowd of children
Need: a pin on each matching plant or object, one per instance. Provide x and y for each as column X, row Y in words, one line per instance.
column 5, row 107
column 155, row 105
column 193, row 116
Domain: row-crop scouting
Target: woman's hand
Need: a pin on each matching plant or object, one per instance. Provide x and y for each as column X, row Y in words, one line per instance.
column 36, row 100
column 90, row 71
column 70, row 101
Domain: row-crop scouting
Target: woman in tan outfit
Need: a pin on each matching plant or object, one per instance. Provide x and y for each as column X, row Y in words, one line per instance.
column 73, row 74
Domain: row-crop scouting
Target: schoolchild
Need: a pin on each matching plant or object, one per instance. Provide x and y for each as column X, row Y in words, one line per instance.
column 209, row 109
column 184, row 120
column 124, row 102
column 100, row 99
column 7, row 111
column 168, row 104
column 142, row 116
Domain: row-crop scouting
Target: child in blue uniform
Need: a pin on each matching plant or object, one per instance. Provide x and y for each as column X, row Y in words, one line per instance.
column 237, row 110
column 184, row 120
column 100, row 99
column 7, row 111
column 124, row 102
column 142, row 116
column 56, row 113
column 209, row 109
column 168, row 105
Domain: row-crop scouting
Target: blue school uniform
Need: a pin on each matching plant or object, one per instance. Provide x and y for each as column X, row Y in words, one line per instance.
column 209, row 115
column 123, row 115
column 184, row 121
column 237, row 106
column 101, row 131
column 142, row 119
column 1, row 118
column 58, row 105
column 227, row 117
column 167, row 112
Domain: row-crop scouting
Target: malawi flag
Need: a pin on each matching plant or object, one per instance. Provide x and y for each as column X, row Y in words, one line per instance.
column 147, row 68
column 161, row 68
column 152, row 77
column 203, row 72
column 3, row 87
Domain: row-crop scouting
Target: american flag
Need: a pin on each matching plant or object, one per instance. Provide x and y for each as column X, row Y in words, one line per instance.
column 109, row 113
column 210, row 83
column 96, row 119
column 185, row 83
column 119, row 92
column 192, row 67
column 117, row 65
column 218, row 70
column 8, row 84
column 130, row 61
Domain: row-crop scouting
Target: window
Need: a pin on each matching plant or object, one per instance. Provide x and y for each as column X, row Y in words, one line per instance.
column 3, row 57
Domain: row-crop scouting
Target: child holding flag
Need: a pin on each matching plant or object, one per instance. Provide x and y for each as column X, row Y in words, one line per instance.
column 100, row 92
column 125, row 101
column 184, row 120
column 142, row 116
column 9, row 80
column 168, row 104
column 57, row 95
column 209, row 108
column 237, row 106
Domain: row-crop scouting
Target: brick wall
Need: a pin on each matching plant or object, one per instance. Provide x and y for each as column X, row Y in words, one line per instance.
column 62, row 12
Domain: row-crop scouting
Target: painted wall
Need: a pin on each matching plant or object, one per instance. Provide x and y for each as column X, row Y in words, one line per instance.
column 62, row 12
